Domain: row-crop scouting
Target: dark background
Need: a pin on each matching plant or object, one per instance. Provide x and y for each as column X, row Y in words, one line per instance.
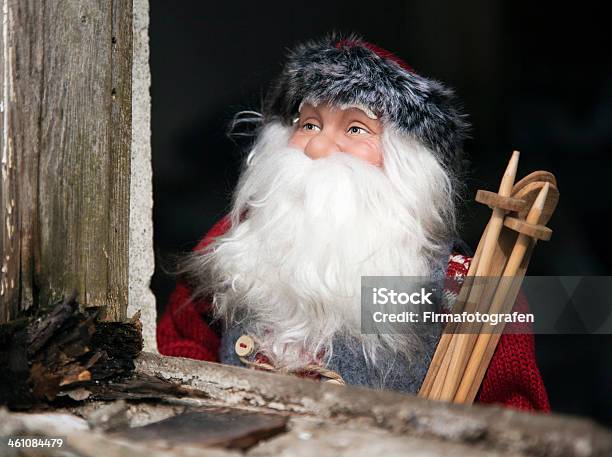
column 533, row 78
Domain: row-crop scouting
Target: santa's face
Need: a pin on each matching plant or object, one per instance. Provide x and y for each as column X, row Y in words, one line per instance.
column 324, row 130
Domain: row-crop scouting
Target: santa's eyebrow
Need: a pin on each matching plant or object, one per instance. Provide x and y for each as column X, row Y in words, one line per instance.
column 313, row 109
column 306, row 102
column 364, row 109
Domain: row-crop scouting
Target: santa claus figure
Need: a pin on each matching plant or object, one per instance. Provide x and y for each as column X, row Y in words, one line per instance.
column 354, row 172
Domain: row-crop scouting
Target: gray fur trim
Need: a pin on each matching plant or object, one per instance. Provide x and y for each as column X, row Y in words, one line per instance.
column 318, row 71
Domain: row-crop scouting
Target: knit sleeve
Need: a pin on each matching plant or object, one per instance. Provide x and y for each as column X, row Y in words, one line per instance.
column 512, row 378
column 182, row 330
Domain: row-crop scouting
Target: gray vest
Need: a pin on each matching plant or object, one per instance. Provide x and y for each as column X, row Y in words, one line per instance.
column 392, row 371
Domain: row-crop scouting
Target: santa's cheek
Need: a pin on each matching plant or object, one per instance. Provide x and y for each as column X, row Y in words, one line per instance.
column 369, row 150
column 298, row 140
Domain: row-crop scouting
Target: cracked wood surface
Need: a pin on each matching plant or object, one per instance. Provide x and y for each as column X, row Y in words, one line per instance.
column 483, row 427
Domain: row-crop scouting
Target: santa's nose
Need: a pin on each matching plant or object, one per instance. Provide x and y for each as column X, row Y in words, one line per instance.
column 321, row 145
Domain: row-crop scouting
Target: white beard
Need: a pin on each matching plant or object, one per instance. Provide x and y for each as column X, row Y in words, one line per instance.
column 304, row 231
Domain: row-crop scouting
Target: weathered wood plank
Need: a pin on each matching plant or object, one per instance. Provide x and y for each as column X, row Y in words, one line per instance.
column 8, row 244
column 75, row 122
column 120, row 154
column 494, row 428
column 25, row 135
column 65, row 143
column 22, row 31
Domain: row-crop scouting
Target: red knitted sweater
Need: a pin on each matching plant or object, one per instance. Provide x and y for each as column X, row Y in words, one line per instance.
column 512, row 379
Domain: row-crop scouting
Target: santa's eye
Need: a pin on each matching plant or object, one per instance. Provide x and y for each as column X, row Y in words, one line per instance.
column 309, row 126
column 356, row 130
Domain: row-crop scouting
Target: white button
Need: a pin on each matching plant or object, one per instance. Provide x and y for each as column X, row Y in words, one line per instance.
column 244, row 346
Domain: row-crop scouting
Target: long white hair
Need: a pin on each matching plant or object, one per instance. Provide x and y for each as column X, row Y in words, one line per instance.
column 304, row 231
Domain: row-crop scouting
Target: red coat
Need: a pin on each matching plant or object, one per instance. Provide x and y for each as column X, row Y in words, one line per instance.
column 512, row 379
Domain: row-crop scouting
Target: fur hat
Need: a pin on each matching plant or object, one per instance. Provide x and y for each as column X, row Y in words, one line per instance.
column 348, row 71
